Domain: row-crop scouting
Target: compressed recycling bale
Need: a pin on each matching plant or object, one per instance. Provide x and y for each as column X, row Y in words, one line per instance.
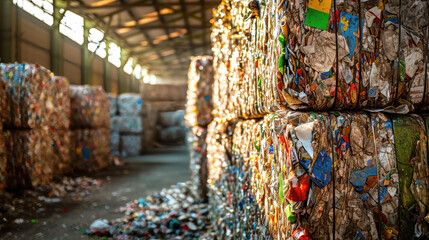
column 89, row 107
column 325, row 82
column 276, row 176
column 130, row 104
column 199, row 103
column 245, row 155
column 245, row 59
column 387, row 169
column 196, row 138
column 373, row 56
column 34, row 99
column 180, row 118
column 114, row 143
column 4, row 106
column 3, row 160
column 412, row 161
column 172, row 134
column 61, row 147
column 31, row 159
column 90, row 148
column 167, row 119
column 303, row 144
column 126, row 124
column 131, row 145
column 220, row 181
column 113, row 104
column 163, row 92
column 356, row 188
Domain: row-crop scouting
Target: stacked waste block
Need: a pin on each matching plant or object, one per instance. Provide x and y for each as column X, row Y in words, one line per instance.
column 36, row 118
column 90, row 121
column 128, row 125
column 3, row 117
column 199, row 107
column 171, row 127
column 354, row 164
column 114, row 134
column 159, row 98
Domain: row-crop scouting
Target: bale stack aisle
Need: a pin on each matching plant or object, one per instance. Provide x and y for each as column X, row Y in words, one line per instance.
column 199, row 106
column 90, row 134
column 156, row 99
column 128, row 125
column 299, row 147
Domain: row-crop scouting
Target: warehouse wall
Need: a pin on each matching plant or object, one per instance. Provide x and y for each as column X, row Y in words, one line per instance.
column 33, row 41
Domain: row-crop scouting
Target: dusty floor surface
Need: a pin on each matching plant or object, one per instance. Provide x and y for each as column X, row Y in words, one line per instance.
column 139, row 177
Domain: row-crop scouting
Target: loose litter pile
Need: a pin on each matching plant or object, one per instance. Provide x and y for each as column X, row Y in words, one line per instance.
column 172, row 213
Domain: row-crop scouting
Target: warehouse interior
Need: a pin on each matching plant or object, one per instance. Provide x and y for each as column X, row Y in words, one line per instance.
column 214, row 119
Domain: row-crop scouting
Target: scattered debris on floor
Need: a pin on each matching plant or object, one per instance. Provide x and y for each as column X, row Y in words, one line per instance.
column 172, row 213
column 17, row 207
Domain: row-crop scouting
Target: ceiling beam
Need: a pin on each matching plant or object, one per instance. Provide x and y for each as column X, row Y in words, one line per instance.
column 146, row 35
column 163, row 23
column 167, row 26
column 168, row 21
column 188, row 28
column 141, row 3
column 203, row 20
column 168, row 44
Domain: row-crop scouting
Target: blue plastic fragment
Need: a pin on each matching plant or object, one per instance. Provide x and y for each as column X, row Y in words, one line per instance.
column 388, row 125
column 85, row 152
column 305, row 164
column 383, row 193
column 271, row 149
column 358, row 178
column 322, row 169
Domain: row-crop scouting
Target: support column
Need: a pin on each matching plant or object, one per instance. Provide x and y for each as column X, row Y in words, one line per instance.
column 8, row 42
column 87, row 58
column 107, row 75
column 57, row 51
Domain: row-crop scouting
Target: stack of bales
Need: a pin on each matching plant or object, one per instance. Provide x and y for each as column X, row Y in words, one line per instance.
column 333, row 171
column 90, row 121
column 128, row 125
column 35, row 117
column 171, row 127
column 114, row 134
column 159, row 98
column 199, row 108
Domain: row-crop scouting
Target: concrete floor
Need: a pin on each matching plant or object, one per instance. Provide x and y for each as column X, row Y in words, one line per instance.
column 141, row 176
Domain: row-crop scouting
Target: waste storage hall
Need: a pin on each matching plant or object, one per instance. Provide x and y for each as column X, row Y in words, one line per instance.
column 214, row 119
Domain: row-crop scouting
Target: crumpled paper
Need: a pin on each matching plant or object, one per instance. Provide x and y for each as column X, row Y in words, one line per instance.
column 89, row 107
column 130, row 104
column 90, row 148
